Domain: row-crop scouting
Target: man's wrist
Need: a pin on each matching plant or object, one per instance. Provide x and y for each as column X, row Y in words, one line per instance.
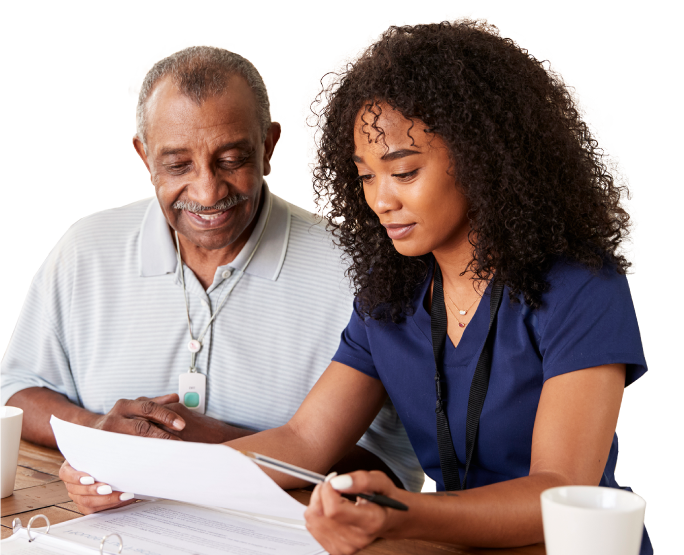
column 86, row 418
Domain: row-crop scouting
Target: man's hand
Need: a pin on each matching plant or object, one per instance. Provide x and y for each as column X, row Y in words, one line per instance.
column 144, row 417
column 202, row 428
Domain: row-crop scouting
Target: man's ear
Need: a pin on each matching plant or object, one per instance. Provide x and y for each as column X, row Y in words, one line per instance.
column 272, row 136
column 140, row 149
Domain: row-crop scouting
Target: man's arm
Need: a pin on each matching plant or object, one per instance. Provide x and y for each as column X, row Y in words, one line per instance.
column 38, row 404
column 150, row 418
column 142, row 417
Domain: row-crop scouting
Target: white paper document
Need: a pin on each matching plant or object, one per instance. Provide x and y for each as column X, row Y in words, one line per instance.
column 168, row 528
column 199, row 473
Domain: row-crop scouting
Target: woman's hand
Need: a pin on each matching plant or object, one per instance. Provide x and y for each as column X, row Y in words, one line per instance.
column 91, row 496
column 343, row 527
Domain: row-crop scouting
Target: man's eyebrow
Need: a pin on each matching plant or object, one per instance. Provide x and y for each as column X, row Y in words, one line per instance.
column 172, row 151
column 242, row 143
column 389, row 156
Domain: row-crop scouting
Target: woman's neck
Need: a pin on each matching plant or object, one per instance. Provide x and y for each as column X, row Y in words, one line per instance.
column 453, row 261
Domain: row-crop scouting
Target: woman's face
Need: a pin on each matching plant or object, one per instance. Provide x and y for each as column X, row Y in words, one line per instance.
column 409, row 182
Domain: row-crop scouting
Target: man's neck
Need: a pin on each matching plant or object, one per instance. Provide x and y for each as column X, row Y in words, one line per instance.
column 204, row 262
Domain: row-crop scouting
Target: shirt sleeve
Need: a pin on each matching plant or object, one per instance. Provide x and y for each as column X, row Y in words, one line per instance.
column 589, row 320
column 36, row 355
column 354, row 349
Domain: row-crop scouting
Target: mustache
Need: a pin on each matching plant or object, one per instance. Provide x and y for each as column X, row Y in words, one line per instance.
column 223, row 204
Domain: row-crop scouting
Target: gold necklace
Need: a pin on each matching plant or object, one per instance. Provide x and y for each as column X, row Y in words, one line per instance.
column 460, row 324
column 461, row 312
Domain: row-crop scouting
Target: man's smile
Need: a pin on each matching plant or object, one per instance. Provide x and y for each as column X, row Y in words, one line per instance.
column 208, row 220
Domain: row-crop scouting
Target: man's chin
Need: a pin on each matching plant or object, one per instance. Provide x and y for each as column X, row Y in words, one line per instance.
column 213, row 239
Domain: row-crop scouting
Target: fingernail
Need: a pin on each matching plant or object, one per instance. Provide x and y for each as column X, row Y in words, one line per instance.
column 330, row 476
column 342, row 482
column 104, row 490
column 178, row 424
column 126, row 496
column 87, row 480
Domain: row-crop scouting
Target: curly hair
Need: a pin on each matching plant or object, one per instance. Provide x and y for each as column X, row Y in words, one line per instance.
column 536, row 181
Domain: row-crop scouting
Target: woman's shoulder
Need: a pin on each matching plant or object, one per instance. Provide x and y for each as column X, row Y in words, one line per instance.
column 581, row 294
column 587, row 319
column 571, row 280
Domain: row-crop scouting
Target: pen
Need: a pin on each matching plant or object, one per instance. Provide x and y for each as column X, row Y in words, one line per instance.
column 315, row 478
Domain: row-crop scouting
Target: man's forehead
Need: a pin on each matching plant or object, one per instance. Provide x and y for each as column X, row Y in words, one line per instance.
column 174, row 116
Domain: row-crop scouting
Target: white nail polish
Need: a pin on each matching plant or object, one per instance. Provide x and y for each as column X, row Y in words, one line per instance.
column 87, row 480
column 342, row 482
column 104, row 490
column 126, row 496
column 330, row 476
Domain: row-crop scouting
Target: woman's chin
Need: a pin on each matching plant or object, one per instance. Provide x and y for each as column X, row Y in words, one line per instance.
column 409, row 248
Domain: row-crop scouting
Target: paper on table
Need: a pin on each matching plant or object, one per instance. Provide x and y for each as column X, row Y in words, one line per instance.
column 165, row 528
column 213, row 475
column 171, row 528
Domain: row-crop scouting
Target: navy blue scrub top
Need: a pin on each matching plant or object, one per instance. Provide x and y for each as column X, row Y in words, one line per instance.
column 586, row 319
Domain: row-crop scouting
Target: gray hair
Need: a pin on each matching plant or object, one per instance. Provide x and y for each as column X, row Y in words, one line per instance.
column 201, row 72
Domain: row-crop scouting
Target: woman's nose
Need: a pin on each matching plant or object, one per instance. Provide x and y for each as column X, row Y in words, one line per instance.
column 383, row 196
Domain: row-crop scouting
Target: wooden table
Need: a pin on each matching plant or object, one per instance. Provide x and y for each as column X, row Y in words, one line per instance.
column 38, row 490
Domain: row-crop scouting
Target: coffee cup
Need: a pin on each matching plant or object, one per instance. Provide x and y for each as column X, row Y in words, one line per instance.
column 10, row 436
column 592, row 521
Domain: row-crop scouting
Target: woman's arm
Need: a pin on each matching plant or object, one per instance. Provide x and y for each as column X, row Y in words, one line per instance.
column 573, row 431
column 332, row 418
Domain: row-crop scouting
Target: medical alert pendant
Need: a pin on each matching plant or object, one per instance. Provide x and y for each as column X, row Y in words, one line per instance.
column 194, row 346
column 192, row 390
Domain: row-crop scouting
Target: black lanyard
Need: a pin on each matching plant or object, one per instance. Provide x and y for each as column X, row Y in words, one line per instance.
column 478, row 387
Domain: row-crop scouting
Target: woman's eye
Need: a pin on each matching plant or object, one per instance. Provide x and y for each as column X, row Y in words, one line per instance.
column 405, row 176
column 365, row 178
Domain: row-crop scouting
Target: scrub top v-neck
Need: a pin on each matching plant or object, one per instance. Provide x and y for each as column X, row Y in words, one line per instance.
column 586, row 319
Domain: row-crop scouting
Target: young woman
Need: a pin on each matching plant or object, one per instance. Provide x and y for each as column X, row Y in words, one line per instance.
column 478, row 216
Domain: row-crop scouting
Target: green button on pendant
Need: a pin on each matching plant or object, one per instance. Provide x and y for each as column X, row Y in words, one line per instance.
column 191, row 399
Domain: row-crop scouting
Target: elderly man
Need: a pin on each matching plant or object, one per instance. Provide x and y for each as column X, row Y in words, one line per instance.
column 217, row 293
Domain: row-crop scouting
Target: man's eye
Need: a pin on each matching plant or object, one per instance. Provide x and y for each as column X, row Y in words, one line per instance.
column 176, row 169
column 232, row 162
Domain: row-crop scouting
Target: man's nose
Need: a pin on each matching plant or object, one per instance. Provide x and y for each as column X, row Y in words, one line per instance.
column 207, row 187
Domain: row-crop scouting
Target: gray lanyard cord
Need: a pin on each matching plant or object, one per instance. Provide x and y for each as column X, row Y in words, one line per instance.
column 193, row 354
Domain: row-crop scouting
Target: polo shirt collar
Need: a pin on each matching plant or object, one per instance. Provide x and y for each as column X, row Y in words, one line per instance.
column 158, row 252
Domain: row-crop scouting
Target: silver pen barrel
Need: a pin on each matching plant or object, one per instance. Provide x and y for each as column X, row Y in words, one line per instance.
column 286, row 468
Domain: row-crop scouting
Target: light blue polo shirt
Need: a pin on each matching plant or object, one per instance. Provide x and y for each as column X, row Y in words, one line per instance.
column 105, row 319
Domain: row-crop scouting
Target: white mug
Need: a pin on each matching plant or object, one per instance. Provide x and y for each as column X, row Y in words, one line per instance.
column 592, row 521
column 10, row 435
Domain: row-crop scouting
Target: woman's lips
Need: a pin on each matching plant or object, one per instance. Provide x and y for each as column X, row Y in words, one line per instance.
column 399, row 231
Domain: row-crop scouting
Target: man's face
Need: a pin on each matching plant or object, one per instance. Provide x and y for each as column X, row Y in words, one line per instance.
column 207, row 162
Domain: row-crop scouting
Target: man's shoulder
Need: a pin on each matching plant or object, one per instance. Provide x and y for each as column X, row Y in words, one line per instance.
column 307, row 219
column 102, row 234
column 120, row 217
column 113, row 220
column 308, row 228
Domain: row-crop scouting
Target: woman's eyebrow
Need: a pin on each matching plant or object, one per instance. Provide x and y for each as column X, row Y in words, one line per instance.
column 390, row 156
